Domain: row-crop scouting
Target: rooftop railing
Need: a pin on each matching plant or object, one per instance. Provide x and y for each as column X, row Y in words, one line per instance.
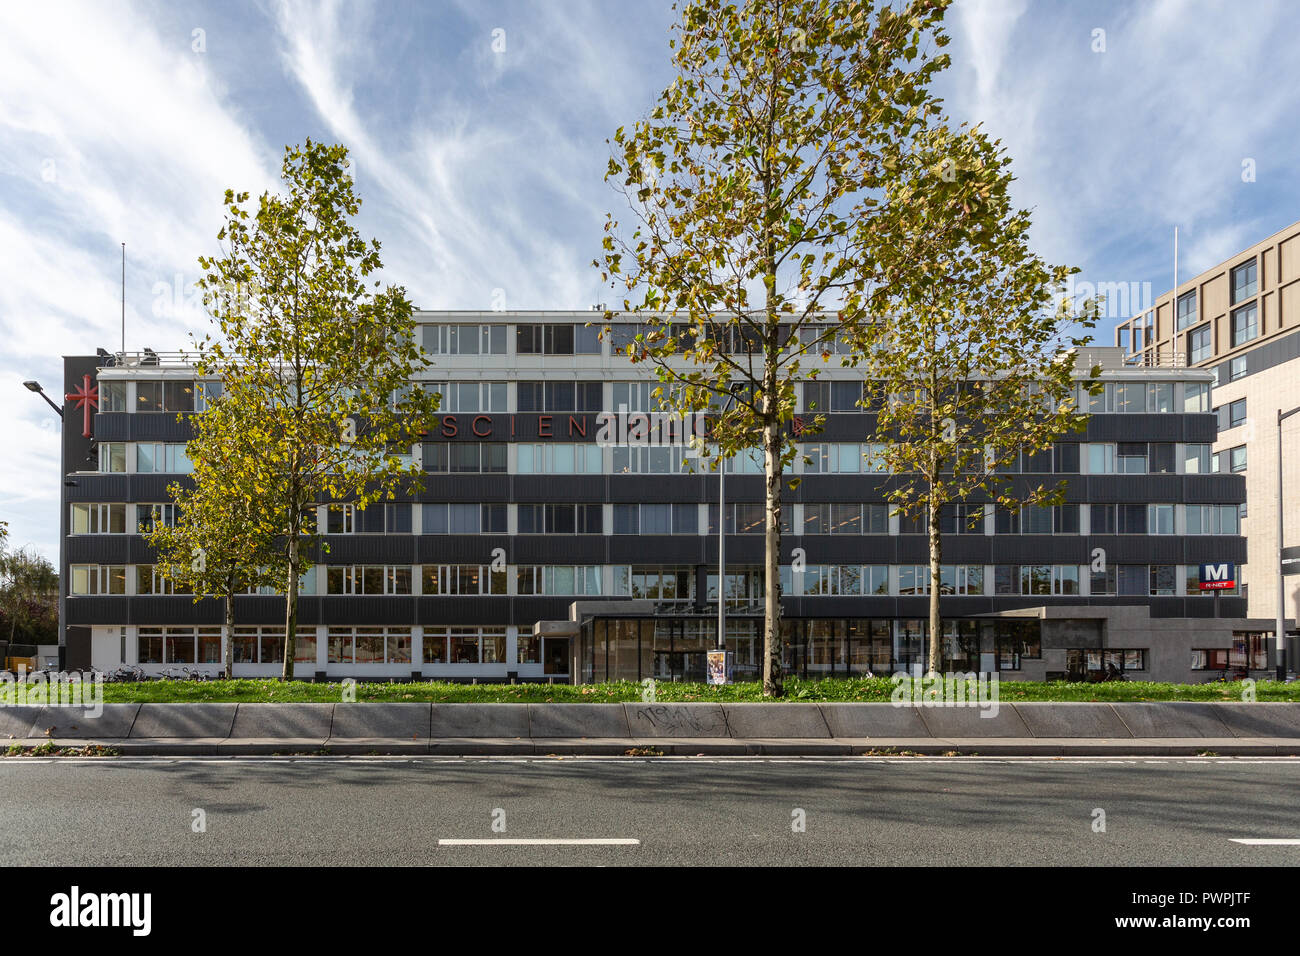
column 1163, row 357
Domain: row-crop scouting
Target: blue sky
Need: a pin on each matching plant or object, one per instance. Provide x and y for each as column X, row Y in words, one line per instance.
column 481, row 170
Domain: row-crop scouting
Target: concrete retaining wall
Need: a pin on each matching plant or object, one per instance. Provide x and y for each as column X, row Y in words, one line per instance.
column 832, row 728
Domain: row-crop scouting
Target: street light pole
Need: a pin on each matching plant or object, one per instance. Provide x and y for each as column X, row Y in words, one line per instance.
column 722, row 532
column 33, row 386
column 1280, row 632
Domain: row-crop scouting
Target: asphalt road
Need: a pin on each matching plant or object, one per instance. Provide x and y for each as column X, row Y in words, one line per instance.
column 872, row 811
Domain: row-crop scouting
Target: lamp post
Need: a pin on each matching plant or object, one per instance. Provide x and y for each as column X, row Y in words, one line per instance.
column 1280, row 633
column 33, row 386
column 721, row 643
column 722, row 530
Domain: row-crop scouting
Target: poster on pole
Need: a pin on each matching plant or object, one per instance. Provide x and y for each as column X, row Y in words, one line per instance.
column 719, row 667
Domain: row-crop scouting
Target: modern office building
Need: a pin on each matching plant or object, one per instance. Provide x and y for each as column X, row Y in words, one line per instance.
column 1241, row 321
column 561, row 534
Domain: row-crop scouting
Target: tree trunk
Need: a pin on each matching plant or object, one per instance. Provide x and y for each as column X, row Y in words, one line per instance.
column 934, row 664
column 228, row 638
column 291, row 608
column 773, row 681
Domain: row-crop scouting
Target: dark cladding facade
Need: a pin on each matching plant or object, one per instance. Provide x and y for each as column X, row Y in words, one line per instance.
column 549, row 543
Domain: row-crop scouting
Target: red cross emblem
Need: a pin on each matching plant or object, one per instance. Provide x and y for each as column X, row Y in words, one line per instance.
column 85, row 399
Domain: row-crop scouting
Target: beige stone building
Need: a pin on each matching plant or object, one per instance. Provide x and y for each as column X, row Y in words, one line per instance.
column 1241, row 320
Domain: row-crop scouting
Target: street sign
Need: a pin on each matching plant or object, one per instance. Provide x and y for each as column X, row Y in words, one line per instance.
column 1291, row 560
column 1218, row 577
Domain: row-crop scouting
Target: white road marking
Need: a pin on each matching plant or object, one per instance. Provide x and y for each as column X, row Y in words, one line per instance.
column 1267, row 842
column 570, row 841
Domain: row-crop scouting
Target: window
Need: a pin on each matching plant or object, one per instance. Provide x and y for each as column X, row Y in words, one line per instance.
column 636, row 396
column 208, row 393
column 1244, row 281
column 147, row 517
column 1210, row 659
column 1133, row 579
column 560, row 519
column 1131, row 458
column 464, row 518
column 149, row 580
column 838, row 518
column 368, row 645
column 470, row 396
column 383, row 518
column 559, row 459
column 148, row 396
column 1237, row 458
column 98, row 519
column 961, row 578
column 961, row 519
column 340, row 519
column 112, row 457
column 464, row 645
column 1186, row 310
column 656, row 582
column 1163, row 579
column 1196, row 459
column 112, row 397
column 1199, row 345
column 559, row 396
column 1130, row 397
column 1102, row 401
column 461, row 579
column 179, row 396
column 1065, row 519
column 1162, row 458
column 368, row 579
column 1160, row 519
column 1196, row 397
column 748, row 517
column 465, row 457
column 1213, row 519
column 913, row 579
column 157, row 458
column 1036, row 519
column 1036, row 579
column 657, row 519
column 557, row 579
column 557, row 339
column 1067, row 458
column 1082, row 662
column 465, row 339
column 1132, row 519
column 1101, row 519
column 98, row 579
column 1237, row 413
column 1101, row 458
column 1160, row 397
column 1245, row 324
column 842, row 458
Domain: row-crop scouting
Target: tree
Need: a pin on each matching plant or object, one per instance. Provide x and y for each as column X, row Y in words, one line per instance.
column 316, row 365
column 974, row 368
column 29, row 592
column 222, row 543
column 784, row 190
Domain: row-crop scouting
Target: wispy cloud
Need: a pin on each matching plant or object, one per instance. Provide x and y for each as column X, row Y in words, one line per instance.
column 480, row 155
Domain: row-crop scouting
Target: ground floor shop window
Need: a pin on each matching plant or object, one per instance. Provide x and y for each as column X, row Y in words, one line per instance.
column 1093, row 664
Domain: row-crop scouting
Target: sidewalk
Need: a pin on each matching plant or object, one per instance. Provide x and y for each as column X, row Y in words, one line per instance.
column 775, row 729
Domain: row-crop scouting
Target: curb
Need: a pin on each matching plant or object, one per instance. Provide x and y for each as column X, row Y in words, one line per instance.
column 1059, row 729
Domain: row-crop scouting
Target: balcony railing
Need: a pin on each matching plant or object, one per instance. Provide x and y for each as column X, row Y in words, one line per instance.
column 147, row 358
column 1167, row 356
